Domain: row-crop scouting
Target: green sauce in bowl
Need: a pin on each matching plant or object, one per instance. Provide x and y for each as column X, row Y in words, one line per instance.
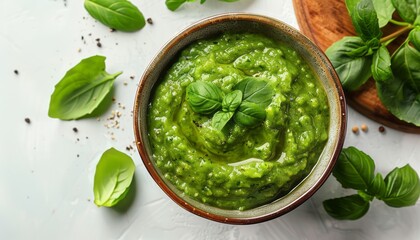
column 238, row 167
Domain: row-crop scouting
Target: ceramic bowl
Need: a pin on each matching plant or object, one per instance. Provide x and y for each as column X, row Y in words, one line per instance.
column 275, row 29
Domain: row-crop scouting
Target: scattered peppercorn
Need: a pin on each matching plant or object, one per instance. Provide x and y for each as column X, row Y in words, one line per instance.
column 16, row 72
column 98, row 39
column 355, row 129
column 75, row 130
column 364, row 128
column 99, row 44
column 113, row 30
column 381, row 129
column 150, row 21
column 132, row 77
column 27, row 120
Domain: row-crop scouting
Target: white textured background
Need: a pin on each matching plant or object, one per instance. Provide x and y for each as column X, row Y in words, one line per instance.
column 46, row 170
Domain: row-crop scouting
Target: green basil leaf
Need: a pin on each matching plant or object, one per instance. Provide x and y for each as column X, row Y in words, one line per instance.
column 381, row 65
column 365, row 20
column 407, row 9
column 232, row 101
column 414, row 37
column 249, row 114
column 121, row 15
column 351, row 6
column 377, row 187
column 384, row 10
column 354, row 169
column 255, row 91
column 346, row 208
column 113, row 177
column 402, row 187
column 220, row 119
column 174, row 4
column 353, row 70
column 401, row 95
column 82, row 90
column 204, row 97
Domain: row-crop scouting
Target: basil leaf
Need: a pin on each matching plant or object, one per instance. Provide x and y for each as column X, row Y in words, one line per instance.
column 174, row 4
column 346, row 208
column 220, row 119
column 354, row 169
column 365, row 20
column 121, row 15
column 407, row 9
column 402, row 187
column 113, row 176
column 353, row 71
column 204, row 97
column 351, row 6
column 384, row 10
column 381, row 65
column 414, row 37
column 377, row 187
column 255, row 91
column 232, row 101
column 249, row 114
column 82, row 90
column 401, row 95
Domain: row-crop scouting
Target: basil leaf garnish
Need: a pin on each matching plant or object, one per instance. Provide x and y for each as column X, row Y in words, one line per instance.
column 113, row 177
column 346, row 208
column 249, row 114
column 384, row 10
column 220, row 119
column 204, row 97
column 82, row 90
column 121, row 15
column 232, row 101
column 381, row 65
column 354, row 169
column 175, row 4
column 414, row 37
column 348, row 58
column 255, row 91
column 407, row 9
column 365, row 20
column 377, row 187
column 401, row 94
column 246, row 103
column 402, row 187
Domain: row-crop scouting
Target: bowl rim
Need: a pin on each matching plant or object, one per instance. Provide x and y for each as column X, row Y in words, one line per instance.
column 148, row 162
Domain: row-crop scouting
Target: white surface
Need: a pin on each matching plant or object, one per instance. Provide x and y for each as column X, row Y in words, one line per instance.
column 46, row 189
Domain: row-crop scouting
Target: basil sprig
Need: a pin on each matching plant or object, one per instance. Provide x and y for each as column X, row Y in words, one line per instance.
column 356, row 170
column 121, row 15
column 246, row 103
column 113, row 176
column 84, row 90
column 357, row 58
column 175, row 4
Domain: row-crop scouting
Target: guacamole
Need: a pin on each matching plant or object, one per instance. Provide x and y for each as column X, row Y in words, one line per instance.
column 238, row 167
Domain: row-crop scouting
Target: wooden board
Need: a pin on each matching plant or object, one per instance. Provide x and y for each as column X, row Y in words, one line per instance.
column 327, row 21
